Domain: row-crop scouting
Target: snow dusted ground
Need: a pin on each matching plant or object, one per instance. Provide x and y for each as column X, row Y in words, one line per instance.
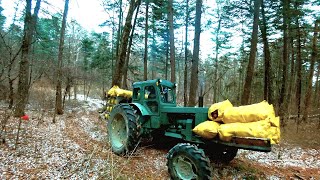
column 286, row 156
column 75, row 147
column 49, row 150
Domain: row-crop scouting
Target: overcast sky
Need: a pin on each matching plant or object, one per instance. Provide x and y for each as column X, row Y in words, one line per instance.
column 88, row 14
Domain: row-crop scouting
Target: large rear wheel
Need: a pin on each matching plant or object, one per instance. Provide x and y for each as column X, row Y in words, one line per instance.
column 186, row 161
column 123, row 129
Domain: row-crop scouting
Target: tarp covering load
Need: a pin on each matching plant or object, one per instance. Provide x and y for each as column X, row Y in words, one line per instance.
column 207, row 129
column 248, row 113
column 116, row 91
column 216, row 110
column 256, row 120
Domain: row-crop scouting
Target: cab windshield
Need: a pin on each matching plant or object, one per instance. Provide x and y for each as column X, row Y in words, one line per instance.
column 167, row 94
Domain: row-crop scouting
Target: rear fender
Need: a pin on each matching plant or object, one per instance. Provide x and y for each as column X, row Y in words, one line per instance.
column 141, row 108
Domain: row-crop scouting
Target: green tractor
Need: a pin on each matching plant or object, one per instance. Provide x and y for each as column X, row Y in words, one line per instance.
column 153, row 110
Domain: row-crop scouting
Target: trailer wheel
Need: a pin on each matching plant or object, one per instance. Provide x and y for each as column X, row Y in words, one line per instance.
column 123, row 129
column 186, row 161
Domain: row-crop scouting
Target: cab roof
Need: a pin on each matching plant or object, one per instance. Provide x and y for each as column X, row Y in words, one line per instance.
column 154, row 81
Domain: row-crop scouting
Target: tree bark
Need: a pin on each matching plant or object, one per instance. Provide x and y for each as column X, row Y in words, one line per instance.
column 195, row 57
column 172, row 47
column 252, row 57
column 185, row 75
column 311, row 71
column 216, row 65
column 145, row 57
column 298, row 67
column 124, row 46
column 283, row 92
column 317, row 90
column 125, row 67
column 59, row 104
column 30, row 22
column 119, row 29
column 267, row 58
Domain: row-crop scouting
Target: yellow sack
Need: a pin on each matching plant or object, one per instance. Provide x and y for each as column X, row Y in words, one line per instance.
column 116, row 91
column 123, row 93
column 220, row 107
column 112, row 91
column 274, row 132
column 275, row 121
column 274, row 135
column 207, row 129
column 258, row 129
column 249, row 113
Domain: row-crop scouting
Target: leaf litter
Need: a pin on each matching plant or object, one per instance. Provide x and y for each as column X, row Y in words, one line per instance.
column 76, row 147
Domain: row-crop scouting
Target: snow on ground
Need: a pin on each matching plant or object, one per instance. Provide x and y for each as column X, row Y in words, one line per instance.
column 59, row 151
column 45, row 151
column 91, row 104
column 285, row 156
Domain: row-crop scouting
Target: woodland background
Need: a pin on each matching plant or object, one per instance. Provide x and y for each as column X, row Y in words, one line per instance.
column 55, row 71
column 274, row 57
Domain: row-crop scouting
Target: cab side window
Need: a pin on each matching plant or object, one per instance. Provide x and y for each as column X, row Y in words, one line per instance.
column 136, row 93
column 149, row 92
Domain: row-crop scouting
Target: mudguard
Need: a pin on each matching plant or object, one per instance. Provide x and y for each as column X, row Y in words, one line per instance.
column 143, row 110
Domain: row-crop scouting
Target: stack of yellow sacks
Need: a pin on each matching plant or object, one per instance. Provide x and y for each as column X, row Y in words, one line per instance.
column 256, row 120
column 114, row 92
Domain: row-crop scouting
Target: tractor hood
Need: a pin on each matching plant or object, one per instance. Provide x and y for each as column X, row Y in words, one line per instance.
column 185, row 110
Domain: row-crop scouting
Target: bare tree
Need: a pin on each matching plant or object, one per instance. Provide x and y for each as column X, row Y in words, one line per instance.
column 30, row 22
column 252, row 57
column 283, row 93
column 185, row 81
column 125, row 67
column 59, row 104
column 195, row 57
column 267, row 58
column 145, row 56
column 311, row 71
column 172, row 48
column 124, row 45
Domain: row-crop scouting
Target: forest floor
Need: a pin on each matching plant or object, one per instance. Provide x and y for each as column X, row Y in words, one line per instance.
column 76, row 147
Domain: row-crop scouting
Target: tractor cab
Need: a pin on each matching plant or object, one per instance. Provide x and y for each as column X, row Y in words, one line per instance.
column 154, row 94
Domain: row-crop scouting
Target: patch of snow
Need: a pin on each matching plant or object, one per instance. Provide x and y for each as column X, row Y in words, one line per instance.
column 286, row 157
column 91, row 104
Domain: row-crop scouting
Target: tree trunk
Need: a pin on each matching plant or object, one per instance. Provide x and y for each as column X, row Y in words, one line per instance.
column 216, row 65
column 172, row 48
column 298, row 68
column 185, row 75
column 267, row 59
column 167, row 51
column 119, row 29
column 195, row 57
column 317, row 91
column 30, row 22
column 311, row 71
column 283, row 92
column 125, row 67
column 145, row 57
column 253, row 51
column 124, row 46
column 59, row 104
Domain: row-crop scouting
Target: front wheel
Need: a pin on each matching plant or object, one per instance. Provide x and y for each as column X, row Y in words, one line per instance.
column 123, row 129
column 186, row 161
